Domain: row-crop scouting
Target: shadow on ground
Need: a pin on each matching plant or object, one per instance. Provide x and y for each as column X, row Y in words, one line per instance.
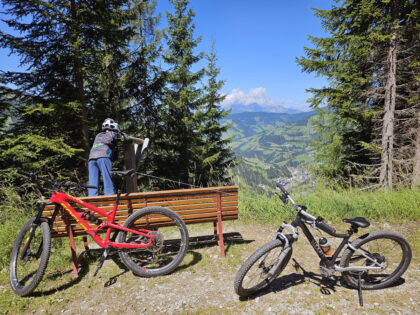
column 83, row 271
column 91, row 257
column 327, row 285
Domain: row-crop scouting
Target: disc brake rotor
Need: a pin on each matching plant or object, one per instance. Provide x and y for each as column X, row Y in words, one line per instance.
column 157, row 241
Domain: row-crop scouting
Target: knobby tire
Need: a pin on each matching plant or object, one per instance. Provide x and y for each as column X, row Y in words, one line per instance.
column 22, row 280
column 164, row 256
column 387, row 246
column 263, row 278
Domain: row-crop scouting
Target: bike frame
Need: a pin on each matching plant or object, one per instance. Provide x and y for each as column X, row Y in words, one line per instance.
column 329, row 262
column 62, row 201
column 302, row 218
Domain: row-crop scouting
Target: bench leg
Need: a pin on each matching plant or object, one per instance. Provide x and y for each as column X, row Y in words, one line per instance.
column 73, row 251
column 219, row 238
column 219, row 225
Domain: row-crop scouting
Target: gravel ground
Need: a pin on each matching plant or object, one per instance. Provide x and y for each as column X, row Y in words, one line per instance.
column 203, row 284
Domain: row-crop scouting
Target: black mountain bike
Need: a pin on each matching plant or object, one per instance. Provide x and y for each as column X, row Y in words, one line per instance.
column 373, row 261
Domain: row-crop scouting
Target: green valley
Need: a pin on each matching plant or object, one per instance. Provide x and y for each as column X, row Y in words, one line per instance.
column 271, row 145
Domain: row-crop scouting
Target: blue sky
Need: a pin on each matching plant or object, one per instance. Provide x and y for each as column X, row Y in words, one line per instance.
column 256, row 43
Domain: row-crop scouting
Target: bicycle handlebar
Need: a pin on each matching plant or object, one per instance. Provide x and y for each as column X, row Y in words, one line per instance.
column 300, row 209
column 280, row 185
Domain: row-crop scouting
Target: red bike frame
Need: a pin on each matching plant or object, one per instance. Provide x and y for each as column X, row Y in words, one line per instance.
column 61, row 198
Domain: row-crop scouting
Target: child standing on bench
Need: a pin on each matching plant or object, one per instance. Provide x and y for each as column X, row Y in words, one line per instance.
column 101, row 154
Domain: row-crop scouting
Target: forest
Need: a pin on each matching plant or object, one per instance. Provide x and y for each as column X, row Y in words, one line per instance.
column 85, row 61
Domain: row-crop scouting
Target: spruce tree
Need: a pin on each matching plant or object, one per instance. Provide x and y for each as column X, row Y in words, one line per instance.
column 216, row 155
column 182, row 98
column 145, row 83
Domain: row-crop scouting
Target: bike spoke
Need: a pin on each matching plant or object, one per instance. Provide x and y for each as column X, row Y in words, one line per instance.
column 258, row 273
column 165, row 240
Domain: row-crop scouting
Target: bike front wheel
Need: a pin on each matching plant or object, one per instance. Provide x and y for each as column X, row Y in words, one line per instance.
column 380, row 248
column 261, row 268
column 169, row 245
column 29, row 257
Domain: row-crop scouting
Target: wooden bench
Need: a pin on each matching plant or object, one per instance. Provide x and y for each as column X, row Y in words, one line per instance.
column 198, row 205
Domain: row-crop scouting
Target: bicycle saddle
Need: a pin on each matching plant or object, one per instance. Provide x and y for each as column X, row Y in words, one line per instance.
column 358, row 221
column 123, row 173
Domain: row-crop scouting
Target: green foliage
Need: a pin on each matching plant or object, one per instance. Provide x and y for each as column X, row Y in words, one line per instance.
column 72, row 71
column 191, row 135
column 16, row 207
column 215, row 154
column 354, row 61
column 89, row 61
column 334, row 205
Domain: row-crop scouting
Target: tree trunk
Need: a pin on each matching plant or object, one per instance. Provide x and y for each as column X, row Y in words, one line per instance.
column 387, row 146
column 78, row 80
column 416, row 163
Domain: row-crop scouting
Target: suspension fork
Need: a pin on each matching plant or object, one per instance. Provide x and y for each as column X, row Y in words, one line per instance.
column 38, row 219
column 287, row 240
column 34, row 225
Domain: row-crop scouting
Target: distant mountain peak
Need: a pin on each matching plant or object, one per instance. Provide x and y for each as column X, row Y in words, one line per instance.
column 257, row 108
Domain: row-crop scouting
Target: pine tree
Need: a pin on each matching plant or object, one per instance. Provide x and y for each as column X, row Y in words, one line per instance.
column 145, row 83
column 182, row 98
column 216, row 156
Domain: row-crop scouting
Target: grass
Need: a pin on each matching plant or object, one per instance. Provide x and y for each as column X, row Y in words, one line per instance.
column 396, row 206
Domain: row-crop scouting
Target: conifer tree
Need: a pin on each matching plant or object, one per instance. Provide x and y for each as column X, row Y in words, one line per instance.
column 216, row 155
column 182, row 97
column 145, row 83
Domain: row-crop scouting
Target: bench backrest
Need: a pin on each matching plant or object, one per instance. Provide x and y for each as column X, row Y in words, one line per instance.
column 198, row 205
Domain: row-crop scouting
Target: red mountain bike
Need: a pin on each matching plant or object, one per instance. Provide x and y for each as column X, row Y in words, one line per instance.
column 152, row 241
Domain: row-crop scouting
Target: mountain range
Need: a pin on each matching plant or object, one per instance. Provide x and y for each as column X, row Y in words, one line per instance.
column 257, row 108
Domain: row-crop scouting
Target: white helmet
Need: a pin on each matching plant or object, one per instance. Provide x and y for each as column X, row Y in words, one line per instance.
column 110, row 124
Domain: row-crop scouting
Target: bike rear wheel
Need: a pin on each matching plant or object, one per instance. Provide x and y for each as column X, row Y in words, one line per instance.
column 261, row 268
column 169, row 246
column 388, row 248
column 29, row 257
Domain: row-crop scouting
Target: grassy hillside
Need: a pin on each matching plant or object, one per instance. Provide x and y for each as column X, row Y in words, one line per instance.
column 271, row 145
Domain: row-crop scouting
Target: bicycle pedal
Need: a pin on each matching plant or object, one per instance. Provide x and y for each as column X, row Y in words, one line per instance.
column 102, row 260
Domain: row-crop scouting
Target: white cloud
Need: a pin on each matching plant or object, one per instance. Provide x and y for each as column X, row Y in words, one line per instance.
column 255, row 96
column 259, row 97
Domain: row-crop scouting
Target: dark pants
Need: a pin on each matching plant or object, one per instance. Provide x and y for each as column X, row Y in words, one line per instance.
column 96, row 168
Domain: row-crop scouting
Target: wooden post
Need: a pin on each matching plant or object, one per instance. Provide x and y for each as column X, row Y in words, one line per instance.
column 130, row 163
column 132, row 153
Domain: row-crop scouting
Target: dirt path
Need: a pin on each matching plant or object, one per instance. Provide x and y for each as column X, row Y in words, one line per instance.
column 203, row 284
